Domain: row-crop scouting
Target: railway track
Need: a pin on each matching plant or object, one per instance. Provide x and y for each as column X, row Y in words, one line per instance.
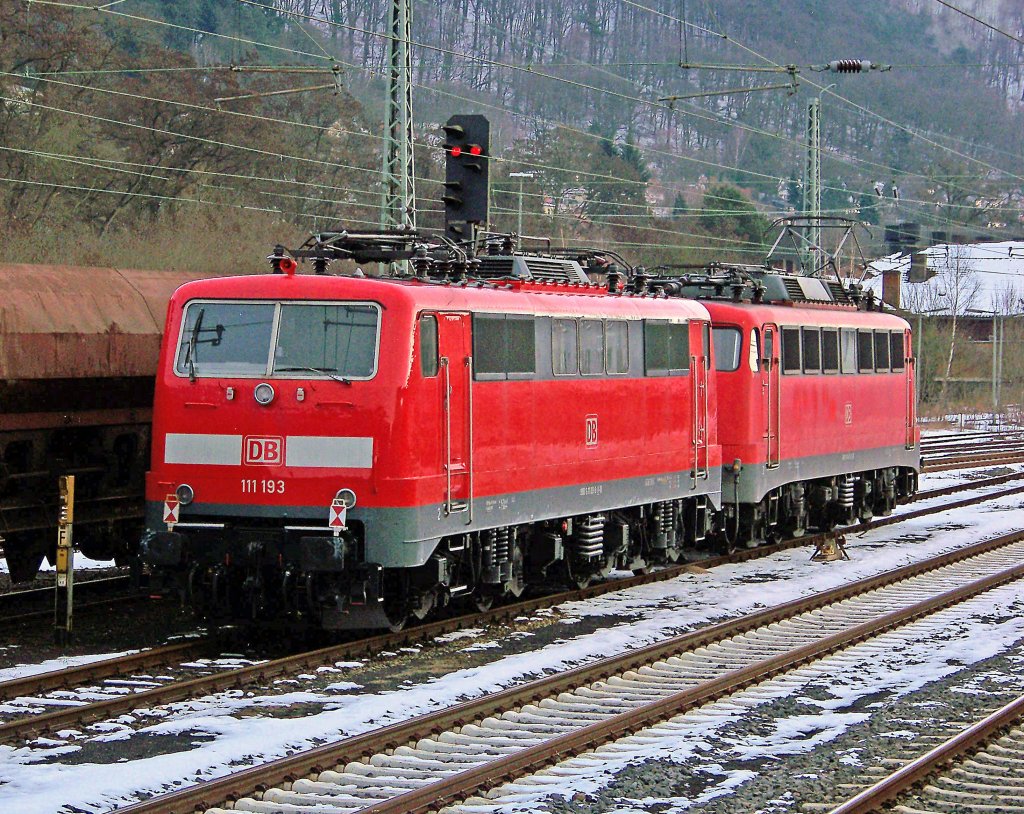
column 126, row 690
column 449, row 756
column 978, row 769
column 983, row 450
column 33, row 604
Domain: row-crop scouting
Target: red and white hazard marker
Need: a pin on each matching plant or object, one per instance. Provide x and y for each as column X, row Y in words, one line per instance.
column 171, row 507
column 338, row 512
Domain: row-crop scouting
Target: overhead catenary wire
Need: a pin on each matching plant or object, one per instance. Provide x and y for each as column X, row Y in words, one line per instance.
column 500, row 64
column 713, row 164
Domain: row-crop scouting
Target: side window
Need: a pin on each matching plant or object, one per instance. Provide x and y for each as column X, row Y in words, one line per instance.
column 564, row 358
column 503, row 345
column 865, row 351
column 829, row 350
column 812, row 350
column 896, row 352
column 591, row 347
column 616, row 334
column 666, row 348
column 488, row 344
column 728, row 343
column 428, row 345
column 848, row 342
column 522, row 344
column 791, row 350
column 882, row 351
column 678, row 347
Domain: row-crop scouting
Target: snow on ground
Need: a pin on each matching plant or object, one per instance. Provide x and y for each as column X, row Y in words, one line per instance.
column 214, row 735
column 859, row 679
column 81, row 561
column 60, row 663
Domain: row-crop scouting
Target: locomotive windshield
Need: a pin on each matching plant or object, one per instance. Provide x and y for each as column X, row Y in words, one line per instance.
column 284, row 339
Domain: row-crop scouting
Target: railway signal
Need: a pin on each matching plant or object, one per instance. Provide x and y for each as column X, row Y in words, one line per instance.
column 64, row 592
column 466, row 189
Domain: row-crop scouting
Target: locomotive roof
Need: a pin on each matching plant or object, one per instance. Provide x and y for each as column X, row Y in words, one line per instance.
column 746, row 313
column 508, row 297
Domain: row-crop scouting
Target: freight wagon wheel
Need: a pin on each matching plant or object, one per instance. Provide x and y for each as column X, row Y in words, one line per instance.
column 22, row 561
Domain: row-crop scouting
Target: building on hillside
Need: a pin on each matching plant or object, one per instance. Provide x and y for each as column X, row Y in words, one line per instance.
column 957, row 292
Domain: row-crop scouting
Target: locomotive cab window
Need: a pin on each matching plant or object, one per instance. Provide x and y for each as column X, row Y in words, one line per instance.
column 327, row 338
column 865, row 351
column 258, row 339
column 428, row 345
column 666, row 348
column 896, row 352
column 791, row 350
column 812, row 350
column 728, row 344
column 882, row 351
column 503, row 346
column 225, row 339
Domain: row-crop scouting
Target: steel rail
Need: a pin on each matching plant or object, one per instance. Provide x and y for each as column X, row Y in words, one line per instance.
column 458, row 786
column 36, row 725
column 928, row 764
column 104, row 668
column 284, row 770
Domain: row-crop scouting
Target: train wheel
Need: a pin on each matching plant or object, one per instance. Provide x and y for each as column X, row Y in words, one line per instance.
column 482, row 600
column 23, row 564
column 396, row 622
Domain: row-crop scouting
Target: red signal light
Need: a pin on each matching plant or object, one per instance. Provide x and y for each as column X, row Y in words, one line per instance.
column 456, row 151
column 475, row 149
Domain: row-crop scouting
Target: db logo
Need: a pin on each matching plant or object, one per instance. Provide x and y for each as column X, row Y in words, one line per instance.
column 591, row 432
column 264, row 450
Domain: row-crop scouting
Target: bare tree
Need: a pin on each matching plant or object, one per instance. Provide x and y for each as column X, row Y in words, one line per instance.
column 962, row 288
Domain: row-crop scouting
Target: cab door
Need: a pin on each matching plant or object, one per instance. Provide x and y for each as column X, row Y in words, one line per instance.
column 909, row 363
column 455, row 362
column 700, row 366
column 771, row 394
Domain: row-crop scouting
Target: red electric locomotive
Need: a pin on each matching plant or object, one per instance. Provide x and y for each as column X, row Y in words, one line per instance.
column 817, row 415
column 349, row 452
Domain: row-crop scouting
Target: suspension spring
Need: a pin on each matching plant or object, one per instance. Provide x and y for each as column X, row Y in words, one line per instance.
column 846, row 493
column 588, row 539
column 502, row 542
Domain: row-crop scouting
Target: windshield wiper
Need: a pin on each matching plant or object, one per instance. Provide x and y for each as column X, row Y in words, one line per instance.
column 326, row 371
column 190, row 354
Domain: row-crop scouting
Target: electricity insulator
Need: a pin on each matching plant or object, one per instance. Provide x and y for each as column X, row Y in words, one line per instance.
column 849, row 65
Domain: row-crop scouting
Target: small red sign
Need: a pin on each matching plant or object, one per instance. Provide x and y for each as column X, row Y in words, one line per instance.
column 171, row 507
column 338, row 512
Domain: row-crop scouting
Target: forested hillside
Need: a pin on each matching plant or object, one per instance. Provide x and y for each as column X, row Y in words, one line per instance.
column 124, row 135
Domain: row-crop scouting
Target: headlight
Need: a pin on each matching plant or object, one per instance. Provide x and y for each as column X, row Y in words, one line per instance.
column 347, row 497
column 185, row 494
column 264, row 393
